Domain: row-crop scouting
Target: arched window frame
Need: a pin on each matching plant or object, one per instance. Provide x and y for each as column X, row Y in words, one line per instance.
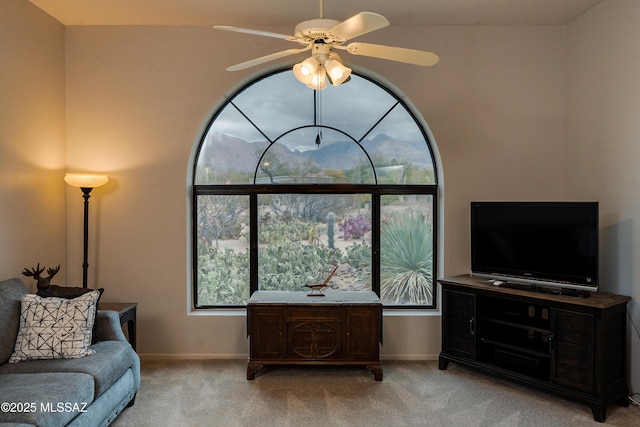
column 376, row 190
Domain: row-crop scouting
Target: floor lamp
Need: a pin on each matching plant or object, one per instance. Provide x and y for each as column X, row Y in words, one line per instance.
column 86, row 183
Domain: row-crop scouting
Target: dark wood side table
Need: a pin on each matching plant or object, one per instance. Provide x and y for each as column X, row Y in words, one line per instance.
column 127, row 313
column 340, row 328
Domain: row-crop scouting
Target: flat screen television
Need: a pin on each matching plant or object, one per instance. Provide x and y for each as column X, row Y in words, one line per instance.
column 538, row 244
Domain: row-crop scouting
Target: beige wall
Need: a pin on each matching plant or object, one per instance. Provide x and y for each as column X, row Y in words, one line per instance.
column 603, row 143
column 518, row 112
column 32, row 141
column 138, row 98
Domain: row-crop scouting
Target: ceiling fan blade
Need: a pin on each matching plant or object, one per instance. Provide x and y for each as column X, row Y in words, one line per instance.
column 357, row 25
column 254, row 32
column 410, row 56
column 266, row 58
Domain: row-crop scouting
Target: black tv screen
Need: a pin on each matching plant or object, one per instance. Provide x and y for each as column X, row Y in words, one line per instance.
column 545, row 243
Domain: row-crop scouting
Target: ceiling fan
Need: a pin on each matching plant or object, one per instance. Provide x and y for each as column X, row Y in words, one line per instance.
column 321, row 36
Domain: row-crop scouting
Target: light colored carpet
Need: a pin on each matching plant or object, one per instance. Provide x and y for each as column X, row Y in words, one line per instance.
column 216, row 393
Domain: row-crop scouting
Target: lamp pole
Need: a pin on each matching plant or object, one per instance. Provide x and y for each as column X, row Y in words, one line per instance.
column 86, row 183
column 85, row 254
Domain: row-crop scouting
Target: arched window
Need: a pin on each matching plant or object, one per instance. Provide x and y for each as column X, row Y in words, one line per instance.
column 291, row 184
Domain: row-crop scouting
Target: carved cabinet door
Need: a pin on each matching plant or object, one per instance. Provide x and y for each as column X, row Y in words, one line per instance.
column 267, row 330
column 363, row 333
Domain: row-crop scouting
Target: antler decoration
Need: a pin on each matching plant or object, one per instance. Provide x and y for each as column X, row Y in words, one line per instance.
column 46, row 289
column 43, row 282
column 53, row 271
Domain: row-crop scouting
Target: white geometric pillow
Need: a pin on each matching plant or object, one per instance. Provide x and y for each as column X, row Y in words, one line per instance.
column 55, row 328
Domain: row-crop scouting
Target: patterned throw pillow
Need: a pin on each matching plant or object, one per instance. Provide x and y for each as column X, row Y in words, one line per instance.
column 55, row 328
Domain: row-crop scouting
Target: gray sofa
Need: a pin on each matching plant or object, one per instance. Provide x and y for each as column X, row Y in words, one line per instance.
column 89, row 391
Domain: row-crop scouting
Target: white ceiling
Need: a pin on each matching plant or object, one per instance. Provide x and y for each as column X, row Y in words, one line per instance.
column 265, row 13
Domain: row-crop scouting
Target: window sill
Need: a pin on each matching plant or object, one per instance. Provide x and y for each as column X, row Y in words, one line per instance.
column 386, row 312
column 224, row 312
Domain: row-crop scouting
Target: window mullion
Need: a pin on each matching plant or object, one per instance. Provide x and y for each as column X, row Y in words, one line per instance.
column 253, row 243
column 375, row 242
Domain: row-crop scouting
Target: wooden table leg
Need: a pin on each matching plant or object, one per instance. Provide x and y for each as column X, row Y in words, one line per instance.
column 252, row 370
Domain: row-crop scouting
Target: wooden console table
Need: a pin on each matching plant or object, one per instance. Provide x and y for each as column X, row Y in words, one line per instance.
column 571, row 346
column 127, row 313
column 340, row 328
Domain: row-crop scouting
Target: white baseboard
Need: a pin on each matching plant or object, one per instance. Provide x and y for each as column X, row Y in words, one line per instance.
column 409, row 357
column 156, row 356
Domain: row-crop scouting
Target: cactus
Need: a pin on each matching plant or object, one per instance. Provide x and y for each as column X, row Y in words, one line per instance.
column 331, row 219
column 354, row 228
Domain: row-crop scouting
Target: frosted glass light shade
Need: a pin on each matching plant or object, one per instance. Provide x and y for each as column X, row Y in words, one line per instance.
column 305, row 70
column 85, row 180
column 302, row 78
column 319, row 79
column 337, row 72
column 314, row 71
column 309, row 66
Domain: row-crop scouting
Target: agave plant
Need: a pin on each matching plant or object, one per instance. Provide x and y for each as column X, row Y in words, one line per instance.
column 406, row 267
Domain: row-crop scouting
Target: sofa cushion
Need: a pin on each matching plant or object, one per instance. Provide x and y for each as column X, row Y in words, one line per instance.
column 52, row 328
column 110, row 361
column 11, row 291
column 70, row 293
column 46, row 399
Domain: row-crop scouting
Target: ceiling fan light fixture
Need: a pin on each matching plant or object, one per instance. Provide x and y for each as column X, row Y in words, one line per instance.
column 302, row 78
column 306, row 70
column 336, row 70
column 309, row 66
column 319, row 79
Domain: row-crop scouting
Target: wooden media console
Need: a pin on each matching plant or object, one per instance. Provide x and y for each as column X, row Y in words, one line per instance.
column 567, row 345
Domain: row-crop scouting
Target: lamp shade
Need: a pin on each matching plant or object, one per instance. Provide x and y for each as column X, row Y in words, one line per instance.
column 319, row 79
column 309, row 66
column 305, row 70
column 337, row 72
column 302, row 78
column 85, row 180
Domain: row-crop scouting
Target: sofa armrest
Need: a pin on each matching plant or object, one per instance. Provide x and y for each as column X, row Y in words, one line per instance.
column 108, row 327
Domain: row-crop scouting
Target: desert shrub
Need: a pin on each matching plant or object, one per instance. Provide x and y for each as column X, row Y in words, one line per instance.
column 406, row 259
column 223, row 277
column 275, row 231
column 309, row 207
column 354, row 227
column 358, row 256
column 290, row 265
column 220, row 217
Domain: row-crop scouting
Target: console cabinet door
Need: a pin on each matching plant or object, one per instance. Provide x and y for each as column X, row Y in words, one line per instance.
column 459, row 324
column 572, row 346
column 363, row 333
column 267, row 332
column 314, row 333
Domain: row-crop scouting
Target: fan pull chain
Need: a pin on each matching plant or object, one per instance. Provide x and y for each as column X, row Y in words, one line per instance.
column 318, row 115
